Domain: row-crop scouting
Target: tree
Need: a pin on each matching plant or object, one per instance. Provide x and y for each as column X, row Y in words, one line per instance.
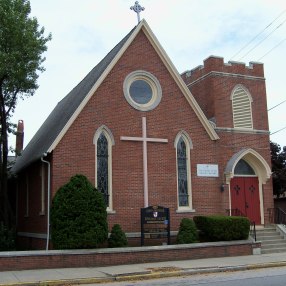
column 78, row 216
column 22, row 43
column 278, row 160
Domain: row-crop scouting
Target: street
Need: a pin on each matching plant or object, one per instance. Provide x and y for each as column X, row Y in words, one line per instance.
column 259, row 277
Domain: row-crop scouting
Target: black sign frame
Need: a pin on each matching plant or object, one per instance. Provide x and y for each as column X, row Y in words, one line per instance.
column 155, row 223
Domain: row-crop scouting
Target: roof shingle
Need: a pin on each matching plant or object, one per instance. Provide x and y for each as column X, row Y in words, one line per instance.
column 63, row 111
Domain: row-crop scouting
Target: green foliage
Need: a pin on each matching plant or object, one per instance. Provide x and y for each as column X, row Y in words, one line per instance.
column 278, row 160
column 22, row 43
column 78, row 216
column 7, row 238
column 187, row 232
column 222, row 228
column 117, row 237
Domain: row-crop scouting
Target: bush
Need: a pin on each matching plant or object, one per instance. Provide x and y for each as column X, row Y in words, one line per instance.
column 78, row 216
column 7, row 238
column 117, row 237
column 223, row 228
column 187, row 232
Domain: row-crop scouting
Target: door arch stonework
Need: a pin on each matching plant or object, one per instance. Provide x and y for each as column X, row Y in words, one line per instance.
column 249, row 196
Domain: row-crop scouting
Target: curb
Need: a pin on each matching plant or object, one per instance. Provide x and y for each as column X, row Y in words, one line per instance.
column 148, row 276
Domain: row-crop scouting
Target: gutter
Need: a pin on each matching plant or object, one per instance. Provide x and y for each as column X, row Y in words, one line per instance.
column 49, row 198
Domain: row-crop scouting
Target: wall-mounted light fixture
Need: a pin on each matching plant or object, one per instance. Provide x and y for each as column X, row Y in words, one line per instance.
column 222, row 187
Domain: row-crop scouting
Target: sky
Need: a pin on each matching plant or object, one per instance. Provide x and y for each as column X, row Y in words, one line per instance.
column 83, row 32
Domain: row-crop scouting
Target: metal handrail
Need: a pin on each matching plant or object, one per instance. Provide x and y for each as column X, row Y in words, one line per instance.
column 277, row 216
column 252, row 231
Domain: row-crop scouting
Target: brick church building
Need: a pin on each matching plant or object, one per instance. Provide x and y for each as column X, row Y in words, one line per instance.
column 144, row 135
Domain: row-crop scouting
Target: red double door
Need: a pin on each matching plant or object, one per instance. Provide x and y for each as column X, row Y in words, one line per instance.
column 245, row 197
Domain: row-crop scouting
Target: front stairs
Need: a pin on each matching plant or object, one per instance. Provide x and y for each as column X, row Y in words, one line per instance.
column 271, row 240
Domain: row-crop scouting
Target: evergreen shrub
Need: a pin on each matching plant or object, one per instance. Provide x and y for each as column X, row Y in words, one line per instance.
column 78, row 216
column 7, row 238
column 188, row 232
column 117, row 237
column 222, row 228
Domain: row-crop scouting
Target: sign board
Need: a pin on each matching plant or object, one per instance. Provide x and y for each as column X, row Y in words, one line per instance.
column 155, row 223
column 207, row 170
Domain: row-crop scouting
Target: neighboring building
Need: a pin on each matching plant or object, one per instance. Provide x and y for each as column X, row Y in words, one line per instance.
column 196, row 143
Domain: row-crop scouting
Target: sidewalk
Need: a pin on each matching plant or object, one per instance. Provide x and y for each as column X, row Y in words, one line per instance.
column 64, row 276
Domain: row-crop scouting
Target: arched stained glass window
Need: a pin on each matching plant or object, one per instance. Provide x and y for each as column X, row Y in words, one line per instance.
column 243, row 168
column 102, row 167
column 182, row 173
column 103, row 141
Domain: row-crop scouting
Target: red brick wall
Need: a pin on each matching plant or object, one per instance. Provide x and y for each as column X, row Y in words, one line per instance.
column 213, row 91
column 212, row 85
column 75, row 153
column 94, row 258
column 35, row 221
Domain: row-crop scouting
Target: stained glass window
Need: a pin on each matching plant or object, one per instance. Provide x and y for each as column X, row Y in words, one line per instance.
column 140, row 91
column 243, row 168
column 102, row 167
column 182, row 174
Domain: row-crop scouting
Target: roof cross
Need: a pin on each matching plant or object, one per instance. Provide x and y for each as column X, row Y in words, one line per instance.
column 137, row 8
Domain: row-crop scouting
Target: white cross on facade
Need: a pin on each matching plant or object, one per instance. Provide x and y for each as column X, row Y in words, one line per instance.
column 137, row 8
column 144, row 139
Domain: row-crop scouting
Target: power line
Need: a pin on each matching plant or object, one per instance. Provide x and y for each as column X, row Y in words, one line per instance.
column 258, row 34
column 267, row 36
column 278, row 130
column 276, row 105
column 272, row 49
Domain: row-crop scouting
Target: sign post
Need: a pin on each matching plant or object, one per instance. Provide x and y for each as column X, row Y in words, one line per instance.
column 155, row 223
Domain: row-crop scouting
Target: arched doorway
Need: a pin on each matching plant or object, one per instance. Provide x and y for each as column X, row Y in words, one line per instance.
column 246, row 172
column 244, row 189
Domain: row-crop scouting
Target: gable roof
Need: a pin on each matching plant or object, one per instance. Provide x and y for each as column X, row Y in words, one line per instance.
column 66, row 111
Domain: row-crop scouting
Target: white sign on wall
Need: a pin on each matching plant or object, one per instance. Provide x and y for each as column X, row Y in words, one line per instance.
column 207, row 170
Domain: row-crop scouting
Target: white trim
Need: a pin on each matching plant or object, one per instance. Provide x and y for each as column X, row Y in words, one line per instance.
column 241, row 107
column 254, row 159
column 110, row 139
column 225, row 74
column 170, row 67
column 152, row 82
column 258, row 164
column 242, row 130
column 182, row 134
column 186, row 136
column 182, row 210
column 241, row 86
column 32, row 235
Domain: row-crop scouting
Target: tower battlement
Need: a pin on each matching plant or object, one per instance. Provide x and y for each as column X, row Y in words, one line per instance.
column 217, row 64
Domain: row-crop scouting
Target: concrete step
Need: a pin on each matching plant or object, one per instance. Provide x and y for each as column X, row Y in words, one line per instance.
column 271, row 240
column 274, row 245
column 273, row 250
column 268, row 237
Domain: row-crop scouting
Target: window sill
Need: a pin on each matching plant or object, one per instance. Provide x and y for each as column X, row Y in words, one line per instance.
column 42, row 213
column 185, row 210
column 111, row 211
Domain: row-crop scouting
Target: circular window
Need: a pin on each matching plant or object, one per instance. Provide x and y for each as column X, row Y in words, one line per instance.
column 142, row 90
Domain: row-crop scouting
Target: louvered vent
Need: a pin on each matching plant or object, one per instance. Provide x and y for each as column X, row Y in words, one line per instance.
column 241, row 108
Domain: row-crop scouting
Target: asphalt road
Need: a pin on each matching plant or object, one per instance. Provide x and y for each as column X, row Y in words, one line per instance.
column 259, row 277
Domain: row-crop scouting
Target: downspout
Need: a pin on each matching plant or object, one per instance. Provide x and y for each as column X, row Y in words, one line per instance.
column 49, row 195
